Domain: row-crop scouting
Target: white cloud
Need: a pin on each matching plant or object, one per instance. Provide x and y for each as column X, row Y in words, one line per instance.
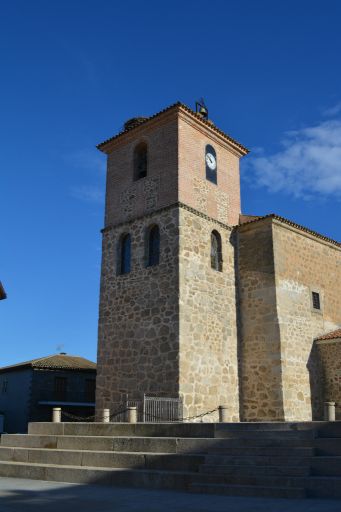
column 333, row 111
column 308, row 165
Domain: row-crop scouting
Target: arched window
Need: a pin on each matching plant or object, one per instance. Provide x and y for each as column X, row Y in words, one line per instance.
column 124, row 254
column 216, row 254
column 140, row 161
column 211, row 164
column 153, row 246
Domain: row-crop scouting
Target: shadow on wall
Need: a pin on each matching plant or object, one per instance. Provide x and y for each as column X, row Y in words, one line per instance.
column 316, row 379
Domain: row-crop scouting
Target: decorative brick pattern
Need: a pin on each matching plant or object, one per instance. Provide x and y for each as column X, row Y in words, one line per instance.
column 151, row 192
column 128, row 200
column 222, row 206
column 200, row 190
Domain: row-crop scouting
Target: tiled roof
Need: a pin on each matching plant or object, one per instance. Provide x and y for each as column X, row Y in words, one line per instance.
column 57, row 362
column 178, row 105
column 290, row 223
column 331, row 335
column 2, row 292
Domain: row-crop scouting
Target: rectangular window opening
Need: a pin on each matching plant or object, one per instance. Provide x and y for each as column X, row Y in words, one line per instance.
column 60, row 388
column 316, row 300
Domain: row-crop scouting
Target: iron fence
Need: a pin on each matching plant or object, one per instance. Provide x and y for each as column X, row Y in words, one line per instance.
column 152, row 409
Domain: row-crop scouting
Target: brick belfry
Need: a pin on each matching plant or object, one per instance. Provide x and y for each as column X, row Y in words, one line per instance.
column 167, row 320
column 200, row 301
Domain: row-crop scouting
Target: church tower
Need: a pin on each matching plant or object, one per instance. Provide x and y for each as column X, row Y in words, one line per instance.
column 167, row 319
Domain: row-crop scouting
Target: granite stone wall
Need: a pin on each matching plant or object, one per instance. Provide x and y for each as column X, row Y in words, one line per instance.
column 329, row 352
column 279, row 266
column 208, row 332
column 260, row 344
column 304, row 264
column 138, row 338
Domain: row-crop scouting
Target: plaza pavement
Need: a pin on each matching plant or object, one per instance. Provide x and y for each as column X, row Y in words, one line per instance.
column 20, row 495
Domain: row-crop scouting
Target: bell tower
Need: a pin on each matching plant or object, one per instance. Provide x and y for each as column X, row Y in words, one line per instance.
column 167, row 318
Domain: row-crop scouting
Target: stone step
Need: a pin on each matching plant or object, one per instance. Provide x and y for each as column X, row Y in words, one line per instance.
column 249, row 490
column 255, row 470
column 327, row 446
column 134, row 444
column 272, row 451
column 206, row 430
column 148, row 444
column 330, row 429
column 257, row 460
column 264, row 426
column 326, row 466
column 324, row 487
column 162, row 461
column 267, row 435
column 254, row 480
column 171, row 429
column 176, row 480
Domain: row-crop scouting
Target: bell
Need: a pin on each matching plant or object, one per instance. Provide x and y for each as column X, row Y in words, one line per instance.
column 203, row 112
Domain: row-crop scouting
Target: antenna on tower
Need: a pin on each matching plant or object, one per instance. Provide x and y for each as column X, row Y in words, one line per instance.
column 201, row 108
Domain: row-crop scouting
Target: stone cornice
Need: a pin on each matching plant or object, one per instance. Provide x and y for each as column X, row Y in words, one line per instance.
column 164, row 209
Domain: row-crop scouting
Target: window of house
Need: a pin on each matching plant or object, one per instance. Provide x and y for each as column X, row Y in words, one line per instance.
column 4, row 386
column 316, row 300
column 153, row 246
column 90, row 390
column 216, row 253
column 140, row 161
column 124, row 254
column 60, row 388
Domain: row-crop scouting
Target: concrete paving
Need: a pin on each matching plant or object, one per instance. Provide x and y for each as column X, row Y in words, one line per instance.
column 19, row 495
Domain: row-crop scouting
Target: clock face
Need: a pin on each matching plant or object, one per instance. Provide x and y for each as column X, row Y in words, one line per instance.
column 211, row 161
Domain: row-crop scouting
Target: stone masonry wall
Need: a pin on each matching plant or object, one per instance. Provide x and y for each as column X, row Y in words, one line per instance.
column 303, row 264
column 139, row 314
column 259, row 344
column 329, row 352
column 208, row 335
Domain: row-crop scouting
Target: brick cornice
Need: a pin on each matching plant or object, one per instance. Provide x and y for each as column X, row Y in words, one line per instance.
column 176, row 108
column 164, row 209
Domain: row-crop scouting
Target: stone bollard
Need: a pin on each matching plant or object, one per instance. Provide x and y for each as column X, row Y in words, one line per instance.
column 56, row 415
column 132, row 414
column 223, row 413
column 329, row 411
column 105, row 415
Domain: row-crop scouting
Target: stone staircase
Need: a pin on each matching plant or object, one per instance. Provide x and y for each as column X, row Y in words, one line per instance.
column 292, row 460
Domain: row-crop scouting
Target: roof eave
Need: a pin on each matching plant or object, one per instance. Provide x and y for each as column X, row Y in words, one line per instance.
column 242, row 150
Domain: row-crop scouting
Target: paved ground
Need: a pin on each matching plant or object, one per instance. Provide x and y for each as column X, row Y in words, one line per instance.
column 19, row 495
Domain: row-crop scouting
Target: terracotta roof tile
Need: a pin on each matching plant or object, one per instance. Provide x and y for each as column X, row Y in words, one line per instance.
column 178, row 105
column 57, row 361
column 330, row 335
column 290, row 223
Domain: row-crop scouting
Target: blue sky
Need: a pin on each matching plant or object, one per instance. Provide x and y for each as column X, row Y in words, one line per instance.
column 73, row 71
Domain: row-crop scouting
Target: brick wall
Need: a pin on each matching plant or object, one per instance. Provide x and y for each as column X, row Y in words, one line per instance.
column 221, row 201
